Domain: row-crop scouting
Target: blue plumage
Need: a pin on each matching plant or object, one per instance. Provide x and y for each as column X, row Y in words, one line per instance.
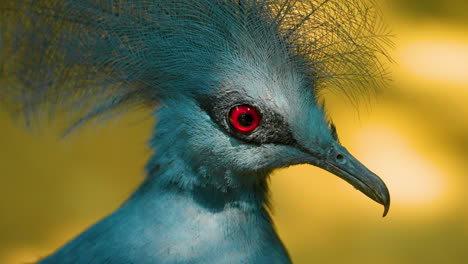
column 205, row 199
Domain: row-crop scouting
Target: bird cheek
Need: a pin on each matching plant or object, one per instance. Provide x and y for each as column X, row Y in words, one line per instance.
column 289, row 156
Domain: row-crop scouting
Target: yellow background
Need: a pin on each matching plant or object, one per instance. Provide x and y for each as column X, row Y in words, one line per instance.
column 415, row 136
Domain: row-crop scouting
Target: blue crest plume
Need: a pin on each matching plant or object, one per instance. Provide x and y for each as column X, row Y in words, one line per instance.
column 90, row 57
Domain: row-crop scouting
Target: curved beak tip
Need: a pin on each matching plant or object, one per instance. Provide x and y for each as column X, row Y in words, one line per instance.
column 386, row 204
column 381, row 195
column 386, row 209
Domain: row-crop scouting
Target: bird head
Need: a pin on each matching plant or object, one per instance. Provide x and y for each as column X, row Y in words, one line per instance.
column 261, row 115
column 236, row 83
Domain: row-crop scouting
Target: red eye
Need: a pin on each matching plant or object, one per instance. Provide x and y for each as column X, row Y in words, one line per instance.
column 244, row 118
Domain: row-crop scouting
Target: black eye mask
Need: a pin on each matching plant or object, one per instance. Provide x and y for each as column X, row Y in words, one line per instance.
column 273, row 128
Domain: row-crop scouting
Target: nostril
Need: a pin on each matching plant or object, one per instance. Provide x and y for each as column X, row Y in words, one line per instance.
column 340, row 158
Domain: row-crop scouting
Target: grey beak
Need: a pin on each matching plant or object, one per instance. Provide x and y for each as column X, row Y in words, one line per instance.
column 341, row 163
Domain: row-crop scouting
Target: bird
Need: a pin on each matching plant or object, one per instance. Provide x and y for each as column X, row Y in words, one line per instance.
column 236, row 87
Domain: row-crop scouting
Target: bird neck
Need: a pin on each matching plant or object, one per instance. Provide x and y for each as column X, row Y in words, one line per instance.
column 213, row 192
column 198, row 223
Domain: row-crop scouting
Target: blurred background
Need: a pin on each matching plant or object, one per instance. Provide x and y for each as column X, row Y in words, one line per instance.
column 415, row 136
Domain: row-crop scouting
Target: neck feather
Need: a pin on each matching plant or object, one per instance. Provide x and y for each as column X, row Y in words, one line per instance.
column 211, row 191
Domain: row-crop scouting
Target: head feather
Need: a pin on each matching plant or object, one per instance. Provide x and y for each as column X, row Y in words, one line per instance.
column 91, row 57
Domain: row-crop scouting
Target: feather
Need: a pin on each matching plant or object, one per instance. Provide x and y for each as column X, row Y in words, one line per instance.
column 92, row 57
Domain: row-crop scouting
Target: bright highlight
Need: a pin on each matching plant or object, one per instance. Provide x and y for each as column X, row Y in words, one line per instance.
column 437, row 60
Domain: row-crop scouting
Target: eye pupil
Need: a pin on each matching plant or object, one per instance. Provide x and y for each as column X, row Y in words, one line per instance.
column 244, row 118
